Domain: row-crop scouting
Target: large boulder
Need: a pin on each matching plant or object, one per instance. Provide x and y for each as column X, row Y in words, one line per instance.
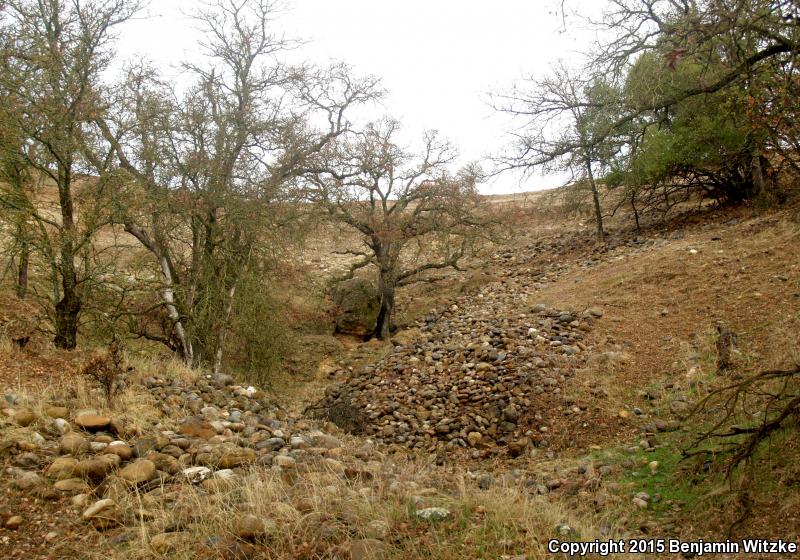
column 358, row 302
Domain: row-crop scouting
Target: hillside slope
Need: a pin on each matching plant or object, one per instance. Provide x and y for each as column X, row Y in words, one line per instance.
column 550, row 398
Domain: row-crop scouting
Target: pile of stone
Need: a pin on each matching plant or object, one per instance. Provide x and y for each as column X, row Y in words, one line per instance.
column 212, row 433
column 482, row 373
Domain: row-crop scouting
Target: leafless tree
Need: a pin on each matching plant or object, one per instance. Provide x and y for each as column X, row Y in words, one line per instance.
column 564, row 123
column 414, row 217
column 746, row 33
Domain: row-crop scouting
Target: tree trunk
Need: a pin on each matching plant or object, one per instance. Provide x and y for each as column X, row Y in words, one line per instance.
column 635, row 211
column 386, row 286
column 68, row 311
column 22, row 272
column 223, row 330
column 598, row 211
column 167, row 293
column 761, row 191
column 179, row 332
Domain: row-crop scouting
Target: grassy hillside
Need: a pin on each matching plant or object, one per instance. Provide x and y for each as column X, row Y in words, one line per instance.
column 282, row 481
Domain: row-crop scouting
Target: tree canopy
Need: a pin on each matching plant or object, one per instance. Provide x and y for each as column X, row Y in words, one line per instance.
column 679, row 97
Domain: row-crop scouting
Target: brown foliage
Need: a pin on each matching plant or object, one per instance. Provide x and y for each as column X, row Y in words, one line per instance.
column 108, row 371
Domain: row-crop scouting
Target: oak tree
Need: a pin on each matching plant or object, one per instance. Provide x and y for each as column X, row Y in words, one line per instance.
column 215, row 165
column 414, row 217
column 52, row 58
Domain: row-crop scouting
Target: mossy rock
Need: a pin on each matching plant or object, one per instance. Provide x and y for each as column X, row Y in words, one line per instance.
column 359, row 303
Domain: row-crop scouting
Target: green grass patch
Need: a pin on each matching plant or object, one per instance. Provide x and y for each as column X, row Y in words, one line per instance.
column 669, row 482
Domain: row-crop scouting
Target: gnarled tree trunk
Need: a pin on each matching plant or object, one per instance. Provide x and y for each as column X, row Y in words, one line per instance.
column 223, row 330
column 167, row 293
column 384, row 321
column 68, row 308
column 387, row 284
column 185, row 349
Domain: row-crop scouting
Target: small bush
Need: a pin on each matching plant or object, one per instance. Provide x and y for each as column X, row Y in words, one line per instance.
column 348, row 417
column 108, row 370
column 259, row 337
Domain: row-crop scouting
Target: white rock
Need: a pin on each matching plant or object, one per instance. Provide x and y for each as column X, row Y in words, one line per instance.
column 80, row 500
column 218, row 426
column 564, row 529
column 196, row 475
column 96, row 508
column 61, row 426
column 433, row 513
column 210, row 413
column 224, row 473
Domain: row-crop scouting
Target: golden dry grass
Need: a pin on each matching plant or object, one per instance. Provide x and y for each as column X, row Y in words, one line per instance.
column 736, row 278
column 312, row 514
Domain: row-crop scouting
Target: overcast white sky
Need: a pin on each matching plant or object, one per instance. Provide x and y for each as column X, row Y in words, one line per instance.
column 437, row 58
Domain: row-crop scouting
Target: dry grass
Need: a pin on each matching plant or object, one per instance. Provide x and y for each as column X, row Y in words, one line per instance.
column 134, row 406
column 145, row 365
column 313, row 514
column 734, row 279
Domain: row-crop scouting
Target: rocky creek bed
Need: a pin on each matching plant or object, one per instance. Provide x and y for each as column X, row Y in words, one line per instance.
column 488, row 372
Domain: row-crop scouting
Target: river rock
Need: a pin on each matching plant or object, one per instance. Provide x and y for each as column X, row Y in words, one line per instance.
column 196, row 427
column 57, row 412
column 233, row 457
column 251, row 527
column 72, row 486
column 479, row 373
column 92, row 422
column 72, row 443
column 138, row 472
column 97, row 468
column 62, row 468
column 25, row 480
column 358, row 302
column 166, row 463
column 433, row 513
column 123, row 450
column 271, row 444
column 196, row 475
column 24, row 417
column 327, row 441
column 102, row 514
